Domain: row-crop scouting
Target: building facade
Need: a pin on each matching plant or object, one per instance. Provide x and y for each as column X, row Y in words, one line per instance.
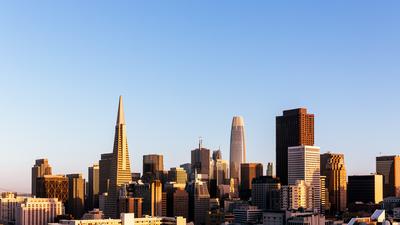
column 120, row 173
column 389, row 168
column 53, row 186
column 333, row 167
column 40, row 169
column 365, row 188
column 294, row 128
column 38, row 211
column 304, row 164
column 76, row 195
column 237, row 147
column 93, row 187
column 265, row 193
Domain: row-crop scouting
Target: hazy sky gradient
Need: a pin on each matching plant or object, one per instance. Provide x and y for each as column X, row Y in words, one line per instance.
column 184, row 69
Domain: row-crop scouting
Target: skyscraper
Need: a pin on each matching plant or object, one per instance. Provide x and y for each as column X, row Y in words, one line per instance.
column 304, row 164
column 333, row 167
column 120, row 173
column 104, row 172
column 238, row 148
column 389, row 167
column 294, row 128
column 177, row 175
column 40, row 169
column 248, row 171
column 156, row 198
column 52, row 186
column 76, row 195
column 93, row 187
column 265, row 193
column 200, row 158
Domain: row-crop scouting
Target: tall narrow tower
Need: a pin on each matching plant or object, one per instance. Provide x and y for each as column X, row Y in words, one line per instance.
column 120, row 166
column 238, row 147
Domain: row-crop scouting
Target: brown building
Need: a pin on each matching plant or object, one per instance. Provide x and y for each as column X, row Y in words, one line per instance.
column 40, row 169
column 76, row 195
column 365, row 188
column 52, row 186
column 332, row 166
column 153, row 167
column 200, row 159
column 389, row 167
column 294, row 128
column 156, row 198
column 248, row 171
column 104, row 172
column 177, row 200
column 131, row 205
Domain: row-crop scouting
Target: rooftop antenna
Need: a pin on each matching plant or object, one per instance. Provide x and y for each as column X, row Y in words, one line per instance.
column 200, row 142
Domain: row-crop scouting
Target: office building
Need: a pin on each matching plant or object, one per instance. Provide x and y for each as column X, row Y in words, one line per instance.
column 365, row 188
column 40, row 169
column 188, row 168
column 332, row 166
column 8, row 206
column 177, row 200
column 104, row 172
column 247, row 215
column 304, row 164
column 93, row 187
column 389, row 168
column 237, row 148
column 325, row 205
column 294, row 128
column 120, row 173
column 265, row 193
column 219, row 170
column 38, row 211
column 177, row 175
column 76, row 195
column 199, row 201
column 299, row 195
column 200, row 158
column 270, row 169
column 52, row 186
column 249, row 171
column 153, row 167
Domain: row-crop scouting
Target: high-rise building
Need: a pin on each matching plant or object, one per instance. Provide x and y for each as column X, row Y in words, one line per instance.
column 38, row 211
column 389, row 167
column 294, row 128
column 218, row 168
column 265, row 193
column 365, row 188
column 188, row 168
column 325, row 205
column 40, row 169
column 296, row 196
column 237, row 148
column 76, row 195
column 156, row 198
column 93, row 187
column 177, row 175
column 270, row 169
column 304, row 164
column 104, row 172
column 153, row 167
column 52, row 186
column 217, row 155
column 199, row 201
column 333, row 167
column 200, row 158
column 120, row 173
column 249, row 171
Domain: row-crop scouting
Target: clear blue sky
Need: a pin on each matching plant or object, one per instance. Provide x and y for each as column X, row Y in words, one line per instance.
column 184, row 69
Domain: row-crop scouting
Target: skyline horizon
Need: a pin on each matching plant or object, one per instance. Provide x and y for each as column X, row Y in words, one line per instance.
column 200, row 139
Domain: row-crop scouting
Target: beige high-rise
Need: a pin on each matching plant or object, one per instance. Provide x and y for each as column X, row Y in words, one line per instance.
column 332, row 166
column 40, row 169
column 389, row 167
column 120, row 167
column 237, row 148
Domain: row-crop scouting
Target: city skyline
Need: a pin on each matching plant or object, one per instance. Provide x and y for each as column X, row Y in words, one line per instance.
column 185, row 75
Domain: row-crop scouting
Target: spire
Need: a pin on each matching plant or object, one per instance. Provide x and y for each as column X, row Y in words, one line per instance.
column 121, row 115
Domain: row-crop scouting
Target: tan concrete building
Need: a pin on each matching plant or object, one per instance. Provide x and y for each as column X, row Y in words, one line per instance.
column 8, row 206
column 177, row 175
column 333, row 167
column 40, row 169
column 76, row 195
column 38, row 211
column 53, row 186
column 120, row 173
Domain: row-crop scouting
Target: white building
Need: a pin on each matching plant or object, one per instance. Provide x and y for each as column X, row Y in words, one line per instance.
column 38, row 211
column 127, row 219
column 8, row 206
column 297, row 196
column 304, row 164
